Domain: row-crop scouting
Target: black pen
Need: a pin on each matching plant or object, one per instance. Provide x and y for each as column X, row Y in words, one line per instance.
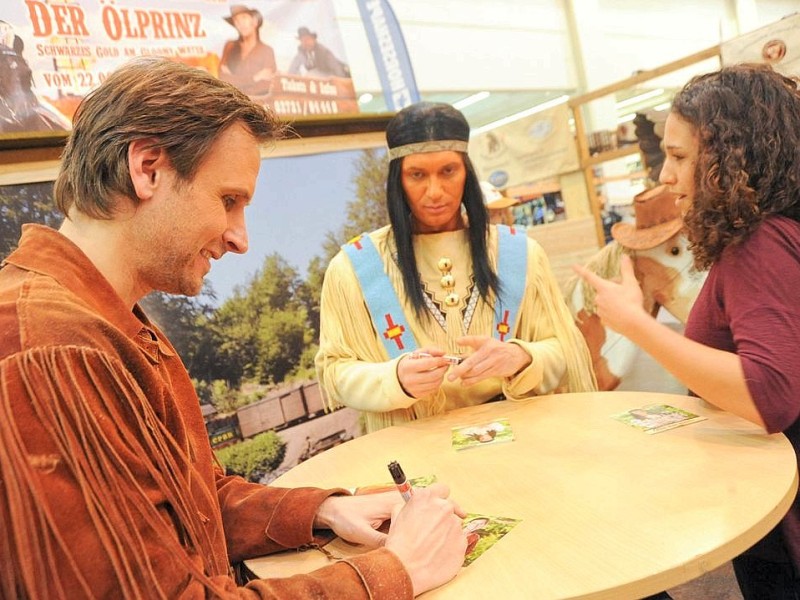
column 405, row 489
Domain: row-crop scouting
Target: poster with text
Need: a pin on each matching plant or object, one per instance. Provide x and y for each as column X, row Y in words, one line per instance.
column 286, row 54
column 526, row 150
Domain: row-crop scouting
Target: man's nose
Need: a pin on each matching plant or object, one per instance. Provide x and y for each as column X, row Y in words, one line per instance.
column 235, row 235
column 434, row 188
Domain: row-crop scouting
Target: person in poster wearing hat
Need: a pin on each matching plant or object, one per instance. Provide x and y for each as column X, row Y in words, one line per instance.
column 247, row 62
column 314, row 59
column 732, row 143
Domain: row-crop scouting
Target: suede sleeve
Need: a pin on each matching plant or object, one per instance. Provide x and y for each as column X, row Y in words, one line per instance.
column 260, row 519
column 375, row 575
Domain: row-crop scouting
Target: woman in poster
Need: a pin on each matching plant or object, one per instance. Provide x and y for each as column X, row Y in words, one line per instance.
column 247, row 62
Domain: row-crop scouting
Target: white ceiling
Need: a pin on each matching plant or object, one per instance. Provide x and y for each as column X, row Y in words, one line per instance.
column 498, row 105
column 525, row 52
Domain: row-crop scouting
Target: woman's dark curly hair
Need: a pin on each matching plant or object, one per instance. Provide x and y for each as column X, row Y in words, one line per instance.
column 425, row 122
column 747, row 118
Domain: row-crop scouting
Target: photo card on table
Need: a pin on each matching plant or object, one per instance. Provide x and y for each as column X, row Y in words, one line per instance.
column 483, row 434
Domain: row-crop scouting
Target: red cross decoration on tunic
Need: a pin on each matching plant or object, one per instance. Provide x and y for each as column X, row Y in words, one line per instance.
column 394, row 332
column 512, row 229
column 356, row 241
column 503, row 327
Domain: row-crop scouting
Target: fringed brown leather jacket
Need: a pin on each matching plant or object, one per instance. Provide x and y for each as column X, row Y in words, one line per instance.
column 108, row 486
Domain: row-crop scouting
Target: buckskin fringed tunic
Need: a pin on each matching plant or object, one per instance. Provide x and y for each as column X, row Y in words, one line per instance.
column 354, row 368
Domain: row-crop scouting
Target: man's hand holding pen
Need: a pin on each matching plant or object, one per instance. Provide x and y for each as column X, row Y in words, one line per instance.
column 427, row 536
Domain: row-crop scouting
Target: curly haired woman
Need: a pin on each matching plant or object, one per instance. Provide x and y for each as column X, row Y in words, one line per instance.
column 732, row 143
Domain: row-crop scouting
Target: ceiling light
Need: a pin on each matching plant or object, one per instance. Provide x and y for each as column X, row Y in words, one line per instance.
column 626, row 118
column 520, row 115
column 663, row 106
column 470, row 100
column 364, row 98
column 640, row 98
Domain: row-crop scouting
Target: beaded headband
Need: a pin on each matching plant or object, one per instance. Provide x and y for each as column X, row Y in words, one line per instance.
column 430, row 146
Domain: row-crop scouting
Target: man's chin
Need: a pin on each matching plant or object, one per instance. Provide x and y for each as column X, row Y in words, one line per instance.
column 194, row 290
column 186, row 288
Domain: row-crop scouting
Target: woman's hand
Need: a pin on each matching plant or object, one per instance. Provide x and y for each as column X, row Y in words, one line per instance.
column 620, row 305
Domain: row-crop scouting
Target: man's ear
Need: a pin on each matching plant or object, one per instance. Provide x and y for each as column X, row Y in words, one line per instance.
column 146, row 165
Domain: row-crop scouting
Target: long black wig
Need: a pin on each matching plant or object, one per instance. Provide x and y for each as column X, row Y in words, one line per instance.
column 425, row 122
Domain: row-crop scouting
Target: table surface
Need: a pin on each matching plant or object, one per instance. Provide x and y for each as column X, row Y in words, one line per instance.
column 607, row 510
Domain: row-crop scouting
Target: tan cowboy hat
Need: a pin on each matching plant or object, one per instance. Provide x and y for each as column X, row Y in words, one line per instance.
column 657, row 220
column 238, row 9
column 493, row 198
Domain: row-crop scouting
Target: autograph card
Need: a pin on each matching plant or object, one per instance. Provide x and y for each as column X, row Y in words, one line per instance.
column 483, row 532
column 657, row 418
column 482, row 435
column 417, row 482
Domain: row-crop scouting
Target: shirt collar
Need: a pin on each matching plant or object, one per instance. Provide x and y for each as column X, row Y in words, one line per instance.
column 47, row 252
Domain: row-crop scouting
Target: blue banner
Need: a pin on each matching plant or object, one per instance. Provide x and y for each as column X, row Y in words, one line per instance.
column 390, row 54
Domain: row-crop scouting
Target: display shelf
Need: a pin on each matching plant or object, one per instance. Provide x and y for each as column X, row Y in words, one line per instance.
column 639, row 174
column 589, row 161
column 601, row 157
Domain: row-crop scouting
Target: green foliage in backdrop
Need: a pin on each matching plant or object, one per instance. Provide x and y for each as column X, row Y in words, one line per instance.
column 20, row 204
column 254, row 458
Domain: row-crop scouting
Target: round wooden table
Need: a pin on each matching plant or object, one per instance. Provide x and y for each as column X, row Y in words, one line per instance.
column 607, row 510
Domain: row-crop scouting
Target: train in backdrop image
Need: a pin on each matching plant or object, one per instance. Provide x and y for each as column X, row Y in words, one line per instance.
column 279, row 409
